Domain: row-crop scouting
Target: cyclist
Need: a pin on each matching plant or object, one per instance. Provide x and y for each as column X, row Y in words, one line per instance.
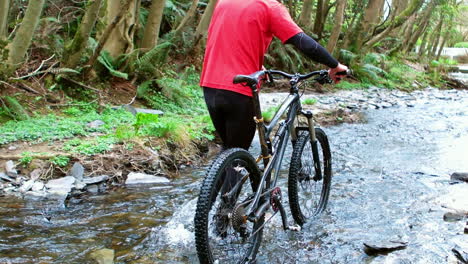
column 238, row 38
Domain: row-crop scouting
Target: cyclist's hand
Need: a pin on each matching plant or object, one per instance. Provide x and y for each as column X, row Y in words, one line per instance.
column 337, row 73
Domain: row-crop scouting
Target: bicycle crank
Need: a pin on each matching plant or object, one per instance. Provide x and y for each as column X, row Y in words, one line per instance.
column 276, row 205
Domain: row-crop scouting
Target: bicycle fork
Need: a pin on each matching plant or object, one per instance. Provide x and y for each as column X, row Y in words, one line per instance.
column 313, row 142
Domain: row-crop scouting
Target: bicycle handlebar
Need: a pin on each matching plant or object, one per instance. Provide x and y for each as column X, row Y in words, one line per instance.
column 255, row 77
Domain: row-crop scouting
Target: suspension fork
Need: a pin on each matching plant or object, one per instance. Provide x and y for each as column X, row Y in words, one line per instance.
column 313, row 142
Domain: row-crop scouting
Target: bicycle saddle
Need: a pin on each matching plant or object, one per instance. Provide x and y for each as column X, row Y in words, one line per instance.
column 251, row 79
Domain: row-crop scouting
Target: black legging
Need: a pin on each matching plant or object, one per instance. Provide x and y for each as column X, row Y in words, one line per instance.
column 232, row 114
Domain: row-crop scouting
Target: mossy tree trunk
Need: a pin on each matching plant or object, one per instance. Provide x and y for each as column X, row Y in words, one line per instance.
column 153, row 24
column 320, row 10
column 120, row 40
column 20, row 44
column 366, row 25
column 4, row 8
column 389, row 26
column 338, row 23
column 74, row 51
column 305, row 19
column 422, row 47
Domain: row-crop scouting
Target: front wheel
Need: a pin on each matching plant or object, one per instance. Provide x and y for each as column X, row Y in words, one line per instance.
column 309, row 176
column 222, row 232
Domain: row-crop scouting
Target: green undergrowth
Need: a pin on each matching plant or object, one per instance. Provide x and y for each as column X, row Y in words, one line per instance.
column 392, row 72
column 185, row 119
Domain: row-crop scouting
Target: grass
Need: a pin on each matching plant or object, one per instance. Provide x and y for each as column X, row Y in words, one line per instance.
column 269, row 113
column 309, row 101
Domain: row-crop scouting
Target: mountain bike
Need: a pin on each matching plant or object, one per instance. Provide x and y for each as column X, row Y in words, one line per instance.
column 236, row 193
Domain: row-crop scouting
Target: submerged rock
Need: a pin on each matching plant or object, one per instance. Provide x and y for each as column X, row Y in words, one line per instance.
column 454, row 217
column 103, row 256
column 383, row 247
column 459, row 176
column 136, row 178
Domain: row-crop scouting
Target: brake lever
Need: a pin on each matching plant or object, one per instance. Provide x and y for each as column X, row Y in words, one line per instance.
column 323, row 78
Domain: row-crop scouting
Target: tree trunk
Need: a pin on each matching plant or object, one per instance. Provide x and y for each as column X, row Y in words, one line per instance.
column 20, row 44
column 75, row 49
column 436, row 37
column 305, row 18
column 318, row 18
column 106, row 35
column 339, row 15
column 395, row 23
column 202, row 27
column 188, row 16
column 120, row 39
column 368, row 21
column 4, row 8
column 422, row 48
column 445, row 37
column 151, row 35
column 422, row 25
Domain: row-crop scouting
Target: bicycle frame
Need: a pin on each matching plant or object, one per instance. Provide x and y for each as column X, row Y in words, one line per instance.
column 272, row 163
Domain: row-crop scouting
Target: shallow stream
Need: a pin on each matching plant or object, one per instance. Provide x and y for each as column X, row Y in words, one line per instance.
column 391, row 183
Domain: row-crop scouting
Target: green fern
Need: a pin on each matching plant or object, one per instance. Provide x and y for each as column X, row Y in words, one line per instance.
column 14, row 109
column 153, row 59
column 347, row 56
column 106, row 59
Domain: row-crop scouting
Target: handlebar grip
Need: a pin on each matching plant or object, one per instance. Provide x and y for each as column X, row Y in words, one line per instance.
column 348, row 72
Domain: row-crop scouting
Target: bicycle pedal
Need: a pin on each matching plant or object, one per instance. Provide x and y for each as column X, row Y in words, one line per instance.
column 294, row 228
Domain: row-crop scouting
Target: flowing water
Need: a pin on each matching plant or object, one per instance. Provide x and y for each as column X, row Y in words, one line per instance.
column 391, row 183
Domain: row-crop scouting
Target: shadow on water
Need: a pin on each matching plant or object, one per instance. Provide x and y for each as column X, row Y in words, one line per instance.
column 391, row 183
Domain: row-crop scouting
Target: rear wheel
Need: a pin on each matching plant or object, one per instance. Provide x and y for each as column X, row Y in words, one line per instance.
column 222, row 232
column 308, row 192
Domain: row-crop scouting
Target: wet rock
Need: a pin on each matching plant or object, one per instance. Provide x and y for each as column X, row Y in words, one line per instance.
column 385, row 105
column 103, row 256
column 10, row 169
column 460, row 253
column 454, row 216
column 79, row 185
column 136, row 178
column 77, row 171
column 94, row 180
column 93, row 188
column 27, row 185
column 61, row 186
column 466, row 228
column 383, row 247
column 37, row 186
column 95, row 124
column 35, row 174
column 459, row 176
column 5, row 177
